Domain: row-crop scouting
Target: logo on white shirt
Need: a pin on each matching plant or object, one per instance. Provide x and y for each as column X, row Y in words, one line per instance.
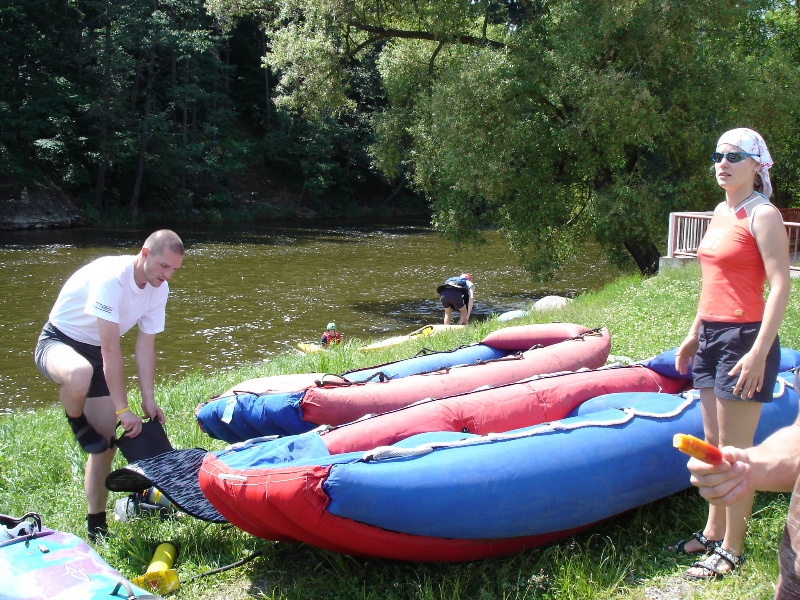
column 102, row 307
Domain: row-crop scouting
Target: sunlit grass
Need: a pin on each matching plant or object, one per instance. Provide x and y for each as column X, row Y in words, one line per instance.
column 41, row 469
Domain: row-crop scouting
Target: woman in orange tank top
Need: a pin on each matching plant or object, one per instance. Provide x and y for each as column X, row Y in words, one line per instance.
column 733, row 344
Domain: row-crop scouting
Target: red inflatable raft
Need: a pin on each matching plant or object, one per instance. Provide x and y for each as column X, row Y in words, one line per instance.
column 334, row 405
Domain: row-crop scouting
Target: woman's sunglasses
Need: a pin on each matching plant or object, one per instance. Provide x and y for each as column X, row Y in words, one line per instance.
column 733, row 157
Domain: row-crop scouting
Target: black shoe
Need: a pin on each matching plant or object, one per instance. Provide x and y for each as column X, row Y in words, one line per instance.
column 708, row 545
column 98, row 534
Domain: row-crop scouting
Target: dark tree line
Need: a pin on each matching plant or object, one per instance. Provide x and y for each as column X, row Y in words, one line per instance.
column 147, row 107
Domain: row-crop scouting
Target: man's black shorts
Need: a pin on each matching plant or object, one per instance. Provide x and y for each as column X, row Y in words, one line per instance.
column 51, row 336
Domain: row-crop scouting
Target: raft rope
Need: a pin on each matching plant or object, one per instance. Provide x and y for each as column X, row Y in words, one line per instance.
column 321, row 381
column 389, row 452
column 382, row 377
column 581, row 336
column 425, row 351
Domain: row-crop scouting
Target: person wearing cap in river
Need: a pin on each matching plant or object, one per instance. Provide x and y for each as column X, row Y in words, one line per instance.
column 457, row 293
column 331, row 336
column 733, row 344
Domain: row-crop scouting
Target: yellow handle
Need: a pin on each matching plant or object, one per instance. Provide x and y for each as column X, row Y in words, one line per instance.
column 164, row 558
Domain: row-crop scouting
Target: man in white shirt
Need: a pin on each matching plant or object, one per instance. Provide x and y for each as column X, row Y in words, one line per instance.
column 79, row 349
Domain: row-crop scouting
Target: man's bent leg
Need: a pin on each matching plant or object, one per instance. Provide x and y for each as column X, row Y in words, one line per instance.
column 73, row 373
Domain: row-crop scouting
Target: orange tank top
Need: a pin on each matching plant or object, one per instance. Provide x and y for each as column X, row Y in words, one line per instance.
column 733, row 270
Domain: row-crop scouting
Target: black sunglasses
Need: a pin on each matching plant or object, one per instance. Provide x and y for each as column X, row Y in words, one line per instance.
column 733, row 157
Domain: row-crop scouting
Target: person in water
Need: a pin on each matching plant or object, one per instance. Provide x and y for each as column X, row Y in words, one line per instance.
column 79, row 349
column 457, row 293
column 331, row 336
column 733, row 344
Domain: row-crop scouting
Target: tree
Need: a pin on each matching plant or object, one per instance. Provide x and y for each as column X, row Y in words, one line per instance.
column 552, row 121
column 37, row 94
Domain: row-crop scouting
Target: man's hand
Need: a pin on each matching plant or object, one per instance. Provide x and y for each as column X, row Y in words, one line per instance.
column 726, row 483
column 153, row 411
column 131, row 423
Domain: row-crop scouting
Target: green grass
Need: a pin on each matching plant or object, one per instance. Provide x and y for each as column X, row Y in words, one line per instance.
column 41, row 470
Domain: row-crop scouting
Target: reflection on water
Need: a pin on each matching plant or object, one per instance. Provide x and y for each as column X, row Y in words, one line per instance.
column 248, row 292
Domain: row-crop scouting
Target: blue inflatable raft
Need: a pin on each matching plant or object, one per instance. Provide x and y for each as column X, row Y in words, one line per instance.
column 449, row 496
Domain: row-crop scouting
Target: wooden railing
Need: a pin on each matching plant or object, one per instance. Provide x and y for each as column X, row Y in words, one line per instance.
column 687, row 229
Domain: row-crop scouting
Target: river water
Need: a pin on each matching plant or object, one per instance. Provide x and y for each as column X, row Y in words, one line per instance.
column 248, row 292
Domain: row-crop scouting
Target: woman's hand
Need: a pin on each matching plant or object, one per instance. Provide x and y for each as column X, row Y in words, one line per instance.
column 685, row 353
column 751, row 374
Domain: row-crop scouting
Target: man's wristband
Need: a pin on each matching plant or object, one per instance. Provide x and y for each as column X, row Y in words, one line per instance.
column 124, row 410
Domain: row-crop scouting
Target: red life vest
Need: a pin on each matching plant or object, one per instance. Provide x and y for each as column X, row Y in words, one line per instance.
column 331, row 338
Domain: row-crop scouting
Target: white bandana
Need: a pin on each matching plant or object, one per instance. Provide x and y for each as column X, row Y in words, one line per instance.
column 752, row 143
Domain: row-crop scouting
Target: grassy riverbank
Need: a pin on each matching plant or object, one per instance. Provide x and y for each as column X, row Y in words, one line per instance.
column 41, row 470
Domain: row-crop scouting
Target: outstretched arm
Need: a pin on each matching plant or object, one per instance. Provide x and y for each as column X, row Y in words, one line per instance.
column 114, row 371
column 772, row 466
column 146, row 371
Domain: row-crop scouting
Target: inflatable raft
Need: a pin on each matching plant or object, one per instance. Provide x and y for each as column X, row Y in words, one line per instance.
column 483, row 411
column 309, row 347
column 511, row 315
column 336, row 400
column 453, row 496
